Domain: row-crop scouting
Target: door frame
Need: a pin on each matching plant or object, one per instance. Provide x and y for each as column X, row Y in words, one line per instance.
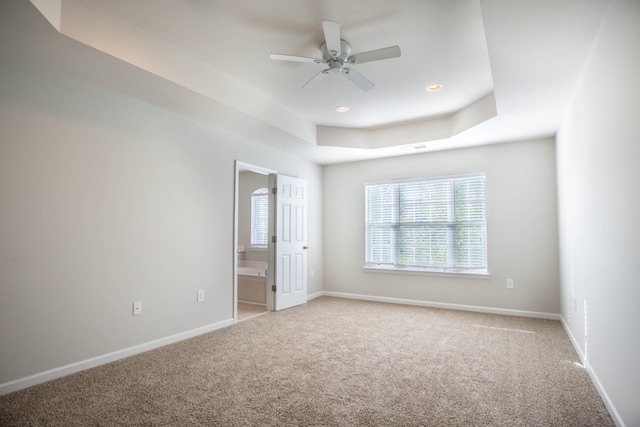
column 241, row 167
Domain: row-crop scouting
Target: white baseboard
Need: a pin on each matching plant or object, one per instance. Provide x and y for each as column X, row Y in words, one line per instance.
column 615, row 416
column 461, row 307
column 574, row 342
column 72, row 368
column 594, row 378
column 314, row 295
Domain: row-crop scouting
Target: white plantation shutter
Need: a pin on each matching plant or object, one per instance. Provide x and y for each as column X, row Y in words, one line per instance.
column 381, row 219
column 432, row 224
column 470, row 223
column 259, row 217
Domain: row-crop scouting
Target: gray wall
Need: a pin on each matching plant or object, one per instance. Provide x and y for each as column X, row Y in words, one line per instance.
column 599, row 212
column 107, row 200
column 521, row 228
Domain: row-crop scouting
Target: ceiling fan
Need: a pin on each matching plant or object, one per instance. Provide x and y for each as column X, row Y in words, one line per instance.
column 336, row 53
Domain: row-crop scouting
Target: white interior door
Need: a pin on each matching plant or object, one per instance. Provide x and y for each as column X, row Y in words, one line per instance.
column 290, row 242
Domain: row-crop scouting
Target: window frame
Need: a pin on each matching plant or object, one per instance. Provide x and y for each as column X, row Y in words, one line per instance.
column 395, row 224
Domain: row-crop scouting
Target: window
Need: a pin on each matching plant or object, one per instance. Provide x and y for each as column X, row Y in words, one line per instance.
column 430, row 224
column 259, row 217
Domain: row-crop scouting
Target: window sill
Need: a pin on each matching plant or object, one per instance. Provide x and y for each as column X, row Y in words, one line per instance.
column 424, row 272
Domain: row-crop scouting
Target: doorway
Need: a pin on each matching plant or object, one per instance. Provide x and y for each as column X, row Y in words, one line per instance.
column 252, row 251
column 273, row 264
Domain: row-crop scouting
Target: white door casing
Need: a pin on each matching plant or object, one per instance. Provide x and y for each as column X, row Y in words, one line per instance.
column 291, row 241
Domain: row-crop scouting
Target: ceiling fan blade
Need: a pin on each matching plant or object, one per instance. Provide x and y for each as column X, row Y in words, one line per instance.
column 375, row 55
column 332, row 37
column 315, row 79
column 280, row 57
column 358, row 79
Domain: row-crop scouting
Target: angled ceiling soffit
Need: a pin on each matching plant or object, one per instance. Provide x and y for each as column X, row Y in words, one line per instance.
column 86, row 23
column 413, row 132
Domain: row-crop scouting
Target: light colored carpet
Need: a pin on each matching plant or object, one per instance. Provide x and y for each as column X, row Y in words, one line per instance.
column 334, row 362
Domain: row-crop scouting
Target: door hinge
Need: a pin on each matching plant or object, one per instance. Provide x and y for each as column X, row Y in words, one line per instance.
column 273, row 288
column 274, row 239
column 274, row 190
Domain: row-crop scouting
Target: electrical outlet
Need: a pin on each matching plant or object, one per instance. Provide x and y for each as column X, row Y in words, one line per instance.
column 137, row 308
column 509, row 283
column 200, row 295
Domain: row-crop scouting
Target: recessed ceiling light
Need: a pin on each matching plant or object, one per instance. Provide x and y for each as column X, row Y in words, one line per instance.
column 342, row 109
column 433, row 88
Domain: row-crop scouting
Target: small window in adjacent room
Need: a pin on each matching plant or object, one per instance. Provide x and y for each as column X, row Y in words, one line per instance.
column 427, row 225
column 259, row 217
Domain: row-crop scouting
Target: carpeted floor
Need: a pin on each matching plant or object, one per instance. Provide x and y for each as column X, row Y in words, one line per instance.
column 334, row 362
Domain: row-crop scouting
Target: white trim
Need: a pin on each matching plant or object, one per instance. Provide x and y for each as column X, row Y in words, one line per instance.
column 241, row 166
column 574, row 342
column 72, row 368
column 461, row 307
column 425, row 272
column 315, row 295
column 615, row 416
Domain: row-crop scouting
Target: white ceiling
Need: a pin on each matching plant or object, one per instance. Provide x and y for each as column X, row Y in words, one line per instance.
column 441, row 42
column 507, row 67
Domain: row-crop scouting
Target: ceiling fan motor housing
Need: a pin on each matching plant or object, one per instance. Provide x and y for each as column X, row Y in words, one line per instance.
column 335, row 63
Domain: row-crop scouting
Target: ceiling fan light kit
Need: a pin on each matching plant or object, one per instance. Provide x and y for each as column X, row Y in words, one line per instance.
column 336, row 53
